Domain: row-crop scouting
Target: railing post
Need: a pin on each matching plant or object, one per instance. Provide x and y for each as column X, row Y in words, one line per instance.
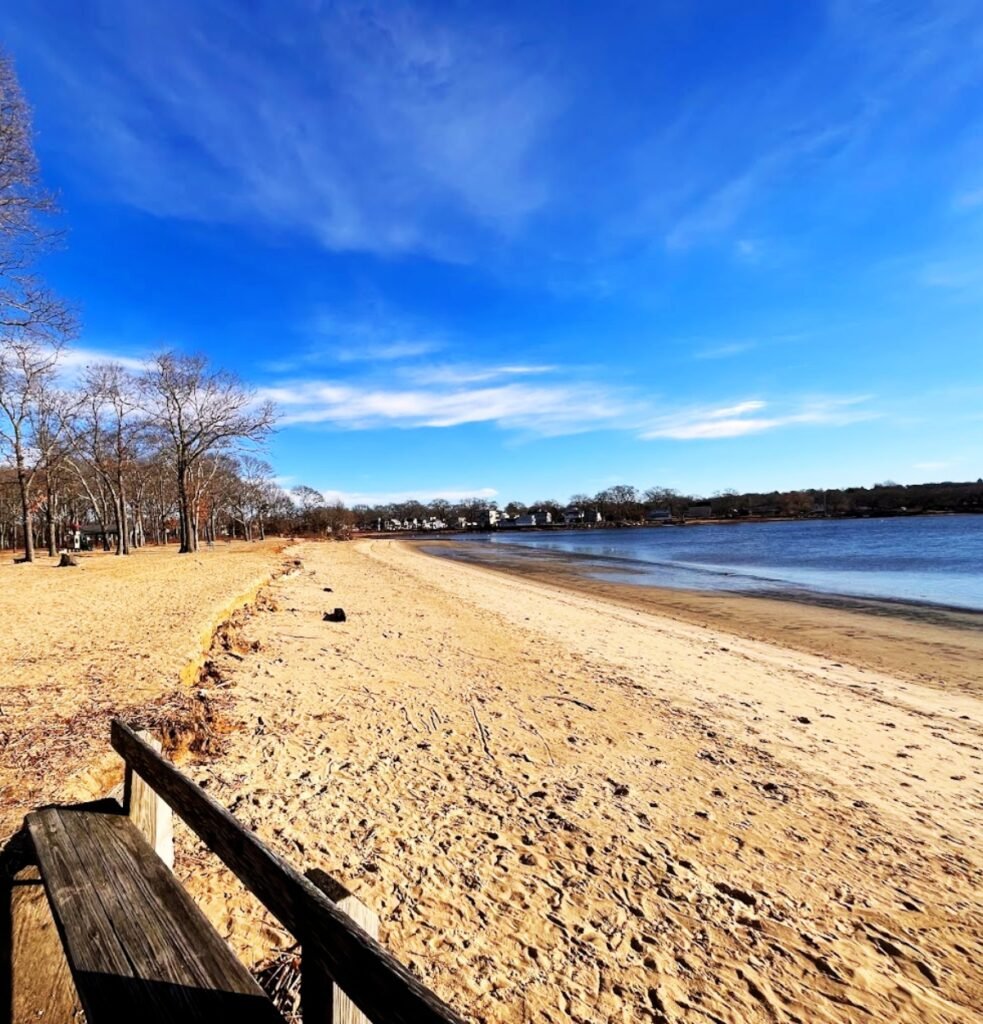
column 150, row 814
column 321, row 1000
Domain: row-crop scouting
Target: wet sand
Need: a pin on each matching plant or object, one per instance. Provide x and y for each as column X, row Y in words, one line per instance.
column 568, row 807
column 928, row 644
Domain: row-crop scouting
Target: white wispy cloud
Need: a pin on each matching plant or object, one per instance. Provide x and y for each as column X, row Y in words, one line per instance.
column 843, row 134
column 389, row 351
column 969, row 200
column 376, row 335
column 546, row 409
column 750, row 417
column 725, row 350
column 956, row 274
column 723, row 204
column 455, row 493
column 470, row 374
column 75, row 358
column 392, row 128
column 376, row 127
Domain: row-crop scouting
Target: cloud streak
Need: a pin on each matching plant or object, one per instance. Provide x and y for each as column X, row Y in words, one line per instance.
column 377, row 128
column 749, row 417
column 454, row 493
column 549, row 409
column 76, row 358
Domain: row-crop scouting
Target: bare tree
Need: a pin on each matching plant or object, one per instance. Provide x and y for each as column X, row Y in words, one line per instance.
column 108, row 437
column 51, row 419
column 254, row 491
column 33, row 323
column 199, row 412
column 26, row 370
column 23, row 200
column 310, row 507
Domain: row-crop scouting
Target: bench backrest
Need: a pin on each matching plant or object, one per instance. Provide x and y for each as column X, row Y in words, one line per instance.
column 381, row 987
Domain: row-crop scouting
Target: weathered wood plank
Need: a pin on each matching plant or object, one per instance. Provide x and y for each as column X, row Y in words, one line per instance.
column 41, row 986
column 135, row 941
column 375, row 980
column 151, row 815
column 320, row 998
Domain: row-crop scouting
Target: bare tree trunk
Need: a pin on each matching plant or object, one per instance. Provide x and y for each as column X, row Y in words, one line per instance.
column 25, row 511
column 122, row 520
column 50, row 515
column 118, row 517
column 188, row 538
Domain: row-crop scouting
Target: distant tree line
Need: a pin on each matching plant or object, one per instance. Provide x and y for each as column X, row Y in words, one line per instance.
column 628, row 505
column 125, row 458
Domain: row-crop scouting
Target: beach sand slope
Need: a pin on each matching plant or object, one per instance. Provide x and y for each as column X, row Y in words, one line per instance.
column 566, row 809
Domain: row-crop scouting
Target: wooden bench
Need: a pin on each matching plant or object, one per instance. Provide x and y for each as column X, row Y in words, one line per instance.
column 139, row 948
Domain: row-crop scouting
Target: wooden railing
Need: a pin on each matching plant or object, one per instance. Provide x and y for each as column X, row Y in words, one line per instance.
column 335, row 951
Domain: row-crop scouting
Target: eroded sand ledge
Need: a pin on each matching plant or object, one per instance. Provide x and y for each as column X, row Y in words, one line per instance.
column 565, row 809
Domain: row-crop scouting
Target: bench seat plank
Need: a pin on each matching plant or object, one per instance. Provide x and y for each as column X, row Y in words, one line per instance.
column 137, row 944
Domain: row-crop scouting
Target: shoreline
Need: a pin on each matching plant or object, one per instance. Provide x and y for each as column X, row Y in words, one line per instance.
column 627, row 566
column 452, row 533
column 900, row 637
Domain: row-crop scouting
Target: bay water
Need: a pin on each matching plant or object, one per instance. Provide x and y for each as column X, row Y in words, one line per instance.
column 921, row 559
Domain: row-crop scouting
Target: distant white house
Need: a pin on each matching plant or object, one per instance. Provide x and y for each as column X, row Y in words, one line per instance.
column 488, row 517
column 573, row 515
column 529, row 519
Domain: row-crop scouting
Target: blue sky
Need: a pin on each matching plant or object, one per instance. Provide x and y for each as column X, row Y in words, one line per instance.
column 526, row 250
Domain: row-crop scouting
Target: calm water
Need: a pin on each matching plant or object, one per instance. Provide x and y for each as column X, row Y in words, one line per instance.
column 934, row 559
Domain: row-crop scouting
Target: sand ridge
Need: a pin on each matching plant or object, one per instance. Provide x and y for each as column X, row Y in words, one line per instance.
column 565, row 809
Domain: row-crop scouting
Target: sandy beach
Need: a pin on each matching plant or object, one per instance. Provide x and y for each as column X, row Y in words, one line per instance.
column 566, row 808
column 113, row 636
column 563, row 803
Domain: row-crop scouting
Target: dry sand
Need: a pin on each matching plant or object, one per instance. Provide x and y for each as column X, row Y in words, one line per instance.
column 567, row 808
column 115, row 635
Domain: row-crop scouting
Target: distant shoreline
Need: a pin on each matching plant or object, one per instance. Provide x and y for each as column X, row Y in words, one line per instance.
column 564, row 563
column 450, row 532
column 901, row 637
